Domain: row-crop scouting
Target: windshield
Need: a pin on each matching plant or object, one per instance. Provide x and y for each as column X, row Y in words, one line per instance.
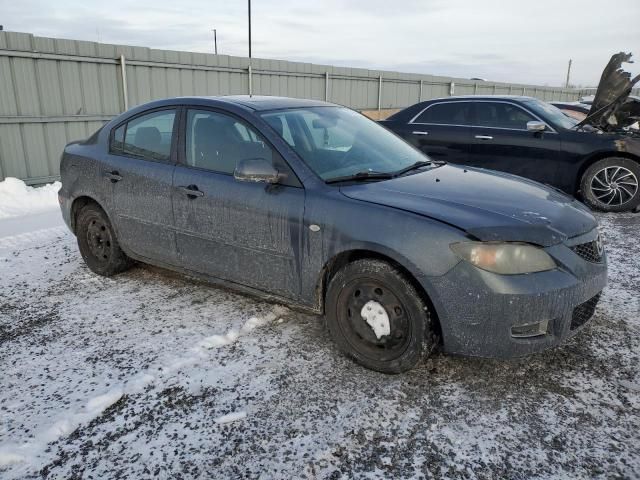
column 337, row 142
column 551, row 113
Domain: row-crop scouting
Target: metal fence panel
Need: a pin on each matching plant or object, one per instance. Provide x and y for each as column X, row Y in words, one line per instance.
column 53, row 91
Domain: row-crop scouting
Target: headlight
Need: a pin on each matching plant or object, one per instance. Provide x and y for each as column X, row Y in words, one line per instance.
column 504, row 258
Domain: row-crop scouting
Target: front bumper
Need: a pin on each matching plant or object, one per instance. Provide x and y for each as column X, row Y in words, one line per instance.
column 478, row 309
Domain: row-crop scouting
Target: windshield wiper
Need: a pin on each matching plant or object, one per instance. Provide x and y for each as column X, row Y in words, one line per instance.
column 416, row 165
column 363, row 175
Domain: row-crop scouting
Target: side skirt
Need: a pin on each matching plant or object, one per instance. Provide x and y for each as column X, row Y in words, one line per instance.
column 232, row 286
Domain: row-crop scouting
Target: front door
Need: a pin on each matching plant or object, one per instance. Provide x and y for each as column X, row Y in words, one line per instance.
column 500, row 141
column 140, row 166
column 248, row 233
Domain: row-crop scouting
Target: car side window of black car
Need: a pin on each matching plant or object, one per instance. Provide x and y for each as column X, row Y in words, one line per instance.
column 216, row 142
column 147, row 136
column 446, row 113
column 501, row 115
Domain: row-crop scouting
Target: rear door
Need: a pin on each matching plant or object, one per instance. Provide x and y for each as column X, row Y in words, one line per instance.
column 500, row 141
column 441, row 130
column 140, row 166
column 248, row 233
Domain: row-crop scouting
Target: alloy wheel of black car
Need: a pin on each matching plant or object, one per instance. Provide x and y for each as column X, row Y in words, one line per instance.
column 98, row 244
column 612, row 185
column 376, row 317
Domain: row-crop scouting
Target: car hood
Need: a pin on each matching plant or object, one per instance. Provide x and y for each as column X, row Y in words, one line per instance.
column 612, row 108
column 491, row 206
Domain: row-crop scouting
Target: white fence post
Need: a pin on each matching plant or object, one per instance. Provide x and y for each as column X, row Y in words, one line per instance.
column 326, row 86
column 123, row 79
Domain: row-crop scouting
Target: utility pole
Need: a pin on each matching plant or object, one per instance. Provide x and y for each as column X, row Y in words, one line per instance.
column 249, row 30
column 568, row 74
column 215, row 41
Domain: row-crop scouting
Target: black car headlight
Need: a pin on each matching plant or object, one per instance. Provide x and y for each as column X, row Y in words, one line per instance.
column 509, row 258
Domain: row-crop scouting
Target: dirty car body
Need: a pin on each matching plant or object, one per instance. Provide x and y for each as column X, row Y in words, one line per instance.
column 282, row 228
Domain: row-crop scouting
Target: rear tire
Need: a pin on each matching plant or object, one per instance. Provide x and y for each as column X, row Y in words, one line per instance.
column 408, row 336
column 98, row 244
column 612, row 185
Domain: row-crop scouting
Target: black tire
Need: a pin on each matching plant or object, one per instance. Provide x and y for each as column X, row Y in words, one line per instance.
column 612, row 185
column 98, row 244
column 410, row 339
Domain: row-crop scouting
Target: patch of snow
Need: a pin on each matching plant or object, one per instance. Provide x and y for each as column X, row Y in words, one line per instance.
column 231, row 417
column 18, row 199
column 376, row 317
column 98, row 404
column 8, row 458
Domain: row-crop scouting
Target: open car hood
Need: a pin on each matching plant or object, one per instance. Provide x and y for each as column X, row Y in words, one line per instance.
column 612, row 108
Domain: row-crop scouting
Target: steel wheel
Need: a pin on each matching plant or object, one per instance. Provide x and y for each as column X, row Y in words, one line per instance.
column 614, row 185
column 99, row 240
column 373, row 319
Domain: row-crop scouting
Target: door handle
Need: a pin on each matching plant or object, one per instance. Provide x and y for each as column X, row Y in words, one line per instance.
column 191, row 191
column 420, row 133
column 114, row 176
column 484, row 137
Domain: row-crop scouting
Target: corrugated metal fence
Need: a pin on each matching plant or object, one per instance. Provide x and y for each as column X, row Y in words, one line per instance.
column 53, row 91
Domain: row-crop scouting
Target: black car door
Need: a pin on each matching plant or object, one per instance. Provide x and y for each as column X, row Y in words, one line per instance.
column 500, row 141
column 441, row 130
column 244, row 232
column 139, row 166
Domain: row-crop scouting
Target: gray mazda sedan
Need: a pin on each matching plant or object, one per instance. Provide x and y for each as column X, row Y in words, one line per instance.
column 314, row 205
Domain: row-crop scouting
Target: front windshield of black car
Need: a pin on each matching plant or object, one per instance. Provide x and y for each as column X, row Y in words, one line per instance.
column 337, row 142
column 551, row 113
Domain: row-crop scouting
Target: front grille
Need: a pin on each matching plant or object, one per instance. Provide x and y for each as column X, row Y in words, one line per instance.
column 589, row 251
column 583, row 312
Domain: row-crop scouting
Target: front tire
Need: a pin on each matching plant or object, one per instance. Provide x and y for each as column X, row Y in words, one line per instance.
column 98, row 243
column 376, row 316
column 612, row 185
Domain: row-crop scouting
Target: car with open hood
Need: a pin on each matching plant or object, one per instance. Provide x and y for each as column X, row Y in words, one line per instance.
column 316, row 206
column 596, row 159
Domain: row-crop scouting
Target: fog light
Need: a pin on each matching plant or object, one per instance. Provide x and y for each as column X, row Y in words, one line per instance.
column 530, row 329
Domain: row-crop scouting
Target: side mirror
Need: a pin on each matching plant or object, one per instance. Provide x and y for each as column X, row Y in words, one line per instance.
column 535, row 126
column 256, row 170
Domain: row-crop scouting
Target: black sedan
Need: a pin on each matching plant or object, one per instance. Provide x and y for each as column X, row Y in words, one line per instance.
column 530, row 138
column 316, row 206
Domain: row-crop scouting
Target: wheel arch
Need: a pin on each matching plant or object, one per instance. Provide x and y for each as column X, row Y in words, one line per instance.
column 339, row 260
column 77, row 205
column 597, row 156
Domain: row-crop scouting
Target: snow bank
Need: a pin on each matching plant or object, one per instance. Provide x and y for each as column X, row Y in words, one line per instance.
column 18, row 199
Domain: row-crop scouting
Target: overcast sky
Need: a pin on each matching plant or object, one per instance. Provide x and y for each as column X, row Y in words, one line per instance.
column 513, row 41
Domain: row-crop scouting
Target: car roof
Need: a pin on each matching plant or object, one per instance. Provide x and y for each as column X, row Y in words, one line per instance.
column 482, row 97
column 253, row 102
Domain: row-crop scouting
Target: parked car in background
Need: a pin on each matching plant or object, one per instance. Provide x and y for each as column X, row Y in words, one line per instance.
column 530, row 138
column 576, row 110
column 319, row 207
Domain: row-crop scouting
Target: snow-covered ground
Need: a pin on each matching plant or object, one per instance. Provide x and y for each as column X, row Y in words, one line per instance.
column 150, row 374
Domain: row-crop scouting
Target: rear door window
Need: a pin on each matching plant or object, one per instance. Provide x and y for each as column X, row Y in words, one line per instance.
column 147, row 136
column 449, row 113
column 501, row 115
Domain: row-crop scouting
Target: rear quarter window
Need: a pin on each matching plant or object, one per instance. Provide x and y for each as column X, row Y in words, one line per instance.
column 147, row 136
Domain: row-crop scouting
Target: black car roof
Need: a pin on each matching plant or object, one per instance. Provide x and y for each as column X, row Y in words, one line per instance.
column 481, row 97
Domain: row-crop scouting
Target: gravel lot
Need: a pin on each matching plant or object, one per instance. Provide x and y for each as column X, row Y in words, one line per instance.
column 150, row 374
